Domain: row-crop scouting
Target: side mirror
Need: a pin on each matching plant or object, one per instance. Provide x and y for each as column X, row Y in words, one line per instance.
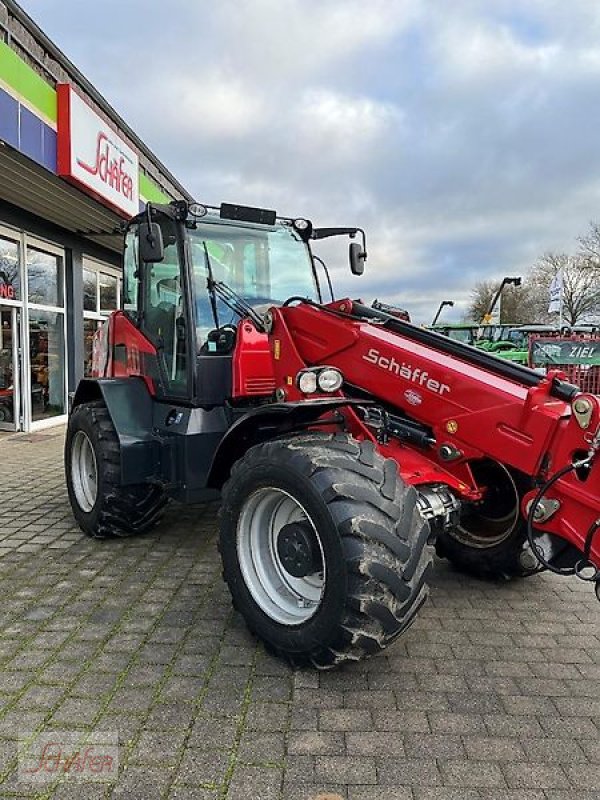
column 151, row 244
column 357, row 258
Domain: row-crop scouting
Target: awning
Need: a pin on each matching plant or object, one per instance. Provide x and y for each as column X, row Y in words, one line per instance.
column 27, row 185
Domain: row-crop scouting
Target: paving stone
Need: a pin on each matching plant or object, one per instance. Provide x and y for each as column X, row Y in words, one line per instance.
column 383, row 793
column 318, row 791
column 472, row 774
column 210, row 732
column 267, row 716
column 261, row 748
column 203, row 766
column 374, row 744
column 445, row 793
column 315, row 743
column 491, row 695
column 178, row 792
column 493, row 748
column 403, row 721
column 408, row 772
column 584, row 779
column 345, row 769
column 142, row 783
column 535, row 776
column 255, row 783
column 515, row 794
column 77, row 711
column 555, row 751
column 158, row 747
column 432, row 746
column 300, row 769
column 351, row 719
column 448, row 722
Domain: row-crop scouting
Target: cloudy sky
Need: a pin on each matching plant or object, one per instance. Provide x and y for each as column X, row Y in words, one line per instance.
column 463, row 135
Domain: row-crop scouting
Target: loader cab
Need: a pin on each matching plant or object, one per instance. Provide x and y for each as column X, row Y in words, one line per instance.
column 195, row 332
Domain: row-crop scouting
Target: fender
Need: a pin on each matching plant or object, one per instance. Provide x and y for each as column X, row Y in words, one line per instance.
column 269, row 422
column 130, row 407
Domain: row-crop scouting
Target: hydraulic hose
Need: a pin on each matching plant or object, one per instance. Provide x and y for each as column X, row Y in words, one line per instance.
column 583, row 564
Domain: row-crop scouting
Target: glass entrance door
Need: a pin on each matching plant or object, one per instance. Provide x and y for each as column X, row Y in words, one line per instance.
column 9, row 369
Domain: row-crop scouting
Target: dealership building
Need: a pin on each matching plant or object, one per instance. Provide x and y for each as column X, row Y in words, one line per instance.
column 71, row 170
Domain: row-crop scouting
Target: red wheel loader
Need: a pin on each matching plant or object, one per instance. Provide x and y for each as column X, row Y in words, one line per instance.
column 345, row 444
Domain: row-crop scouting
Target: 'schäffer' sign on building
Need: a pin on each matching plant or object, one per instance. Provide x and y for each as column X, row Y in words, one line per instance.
column 93, row 156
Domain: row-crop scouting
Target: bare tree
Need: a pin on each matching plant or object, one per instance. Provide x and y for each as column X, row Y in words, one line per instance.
column 515, row 307
column 581, row 283
column 589, row 245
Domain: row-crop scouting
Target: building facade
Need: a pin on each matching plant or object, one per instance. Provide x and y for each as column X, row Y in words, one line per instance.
column 71, row 170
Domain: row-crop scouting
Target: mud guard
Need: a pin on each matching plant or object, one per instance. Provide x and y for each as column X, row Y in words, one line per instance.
column 268, row 422
column 130, row 407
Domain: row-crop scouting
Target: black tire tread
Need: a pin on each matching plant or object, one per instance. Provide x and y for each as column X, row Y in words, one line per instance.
column 502, row 562
column 384, row 539
column 124, row 510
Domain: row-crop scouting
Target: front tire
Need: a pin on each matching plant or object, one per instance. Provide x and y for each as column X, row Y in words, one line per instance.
column 324, row 551
column 100, row 504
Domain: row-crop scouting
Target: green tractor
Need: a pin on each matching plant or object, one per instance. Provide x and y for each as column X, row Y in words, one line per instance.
column 465, row 332
column 511, row 342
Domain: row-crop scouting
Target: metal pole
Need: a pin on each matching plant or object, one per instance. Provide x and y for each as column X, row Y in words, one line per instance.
column 560, row 306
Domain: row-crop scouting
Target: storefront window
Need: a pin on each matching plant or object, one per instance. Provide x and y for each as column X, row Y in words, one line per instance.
column 10, row 279
column 90, row 290
column 44, row 278
column 109, row 293
column 90, row 326
column 46, row 352
column 101, row 296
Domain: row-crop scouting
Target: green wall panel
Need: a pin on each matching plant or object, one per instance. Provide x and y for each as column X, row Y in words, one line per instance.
column 26, row 82
column 150, row 191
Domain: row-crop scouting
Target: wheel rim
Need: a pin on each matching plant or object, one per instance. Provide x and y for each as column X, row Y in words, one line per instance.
column 284, row 598
column 84, row 472
column 493, row 521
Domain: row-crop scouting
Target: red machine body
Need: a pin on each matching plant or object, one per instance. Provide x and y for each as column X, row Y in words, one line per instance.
column 470, row 411
column 475, row 413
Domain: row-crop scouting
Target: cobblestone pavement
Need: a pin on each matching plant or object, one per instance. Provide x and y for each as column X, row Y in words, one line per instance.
column 492, row 694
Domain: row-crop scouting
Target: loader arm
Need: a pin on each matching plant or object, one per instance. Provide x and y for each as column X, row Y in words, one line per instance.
column 474, row 405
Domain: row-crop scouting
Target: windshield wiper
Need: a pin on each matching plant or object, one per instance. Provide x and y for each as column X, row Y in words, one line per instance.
column 227, row 295
column 210, row 285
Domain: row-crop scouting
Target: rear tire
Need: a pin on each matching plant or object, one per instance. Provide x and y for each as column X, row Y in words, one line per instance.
column 100, row 504
column 368, row 542
column 491, row 540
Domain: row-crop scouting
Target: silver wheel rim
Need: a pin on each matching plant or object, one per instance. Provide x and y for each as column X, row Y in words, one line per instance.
column 284, row 598
column 84, row 472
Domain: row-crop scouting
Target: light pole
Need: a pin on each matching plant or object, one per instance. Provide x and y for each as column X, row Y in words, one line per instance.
column 439, row 311
column 487, row 318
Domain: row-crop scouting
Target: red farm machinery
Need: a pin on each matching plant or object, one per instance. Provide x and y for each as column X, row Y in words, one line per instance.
column 345, row 443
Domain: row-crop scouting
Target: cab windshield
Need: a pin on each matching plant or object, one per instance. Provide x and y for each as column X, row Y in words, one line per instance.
column 264, row 265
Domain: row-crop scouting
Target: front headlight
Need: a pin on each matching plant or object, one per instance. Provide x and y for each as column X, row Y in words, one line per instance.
column 307, row 382
column 319, row 379
column 330, row 379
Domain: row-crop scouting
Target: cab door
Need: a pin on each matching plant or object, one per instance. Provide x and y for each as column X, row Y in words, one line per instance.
column 155, row 299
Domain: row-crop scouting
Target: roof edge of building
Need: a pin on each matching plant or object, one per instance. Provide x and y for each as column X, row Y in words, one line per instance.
column 21, row 16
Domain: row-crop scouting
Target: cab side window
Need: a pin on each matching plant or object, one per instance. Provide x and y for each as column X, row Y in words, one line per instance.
column 131, row 279
column 164, row 318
